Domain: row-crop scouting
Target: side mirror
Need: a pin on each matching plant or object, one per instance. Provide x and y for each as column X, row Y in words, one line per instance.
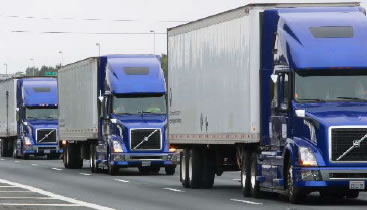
column 300, row 113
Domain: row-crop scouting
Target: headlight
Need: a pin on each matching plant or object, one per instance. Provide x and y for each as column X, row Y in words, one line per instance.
column 306, row 157
column 116, row 147
column 172, row 149
column 27, row 141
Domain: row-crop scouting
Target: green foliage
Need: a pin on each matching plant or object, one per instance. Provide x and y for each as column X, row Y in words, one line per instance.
column 30, row 71
column 164, row 65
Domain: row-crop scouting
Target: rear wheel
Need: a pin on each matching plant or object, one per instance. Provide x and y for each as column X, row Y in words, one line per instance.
column 246, row 174
column 255, row 185
column 72, row 156
column 184, row 172
column 208, row 168
column 195, row 167
column 170, row 170
column 92, row 157
column 352, row 194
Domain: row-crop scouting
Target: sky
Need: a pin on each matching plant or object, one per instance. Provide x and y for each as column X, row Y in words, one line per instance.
column 20, row 50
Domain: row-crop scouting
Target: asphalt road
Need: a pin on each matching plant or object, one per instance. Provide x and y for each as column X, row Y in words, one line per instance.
column 45, row 184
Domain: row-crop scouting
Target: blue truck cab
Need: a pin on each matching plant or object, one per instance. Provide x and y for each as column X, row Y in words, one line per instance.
column 127, row 111
column 313, row 102
column 135, row 115
column 36, row 114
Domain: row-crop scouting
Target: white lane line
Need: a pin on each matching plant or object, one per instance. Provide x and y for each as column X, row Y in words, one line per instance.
column 37, row 198
column 172, row 189
column 16, row 191
column 43, row 204
column 244, row 201
column 55, row 196
column 57, row 169
column 85, row 174
column 33, row 164
column 17, row 161
column 121, row 180
column 2, row 159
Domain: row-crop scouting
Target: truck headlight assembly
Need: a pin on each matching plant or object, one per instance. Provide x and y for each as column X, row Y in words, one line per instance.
column 116, row 147
column 27, row 141
column 306, row 157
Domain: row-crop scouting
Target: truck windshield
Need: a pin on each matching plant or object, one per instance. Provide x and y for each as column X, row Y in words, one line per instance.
column 338, row 85
column 137, row 104
column 41, row 113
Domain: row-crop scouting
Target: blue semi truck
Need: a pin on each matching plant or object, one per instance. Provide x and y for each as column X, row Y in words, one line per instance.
column 113, row 112
column 28, row 117
column 277, row 91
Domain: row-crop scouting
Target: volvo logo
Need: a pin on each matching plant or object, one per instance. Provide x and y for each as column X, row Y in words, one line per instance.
column 356, row 143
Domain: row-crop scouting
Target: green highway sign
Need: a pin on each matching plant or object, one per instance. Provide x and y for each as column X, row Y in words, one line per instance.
column 50, row 73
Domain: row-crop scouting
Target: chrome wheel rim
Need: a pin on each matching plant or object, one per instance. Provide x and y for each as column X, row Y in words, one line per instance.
column 183, row 168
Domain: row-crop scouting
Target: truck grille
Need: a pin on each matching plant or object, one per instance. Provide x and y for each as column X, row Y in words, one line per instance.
column 145, row 139
column 46, row 136
column 342, row 139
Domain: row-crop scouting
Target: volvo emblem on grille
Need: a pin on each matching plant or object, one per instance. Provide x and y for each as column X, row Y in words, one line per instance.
column 356, row 144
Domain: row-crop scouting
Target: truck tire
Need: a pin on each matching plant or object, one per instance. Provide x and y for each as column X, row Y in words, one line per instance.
column 246, row 173
column 208, row 169
column 92, row 157
column 72, row 158
column 5, row 148
column 15, row 154
column 255, row 185
column 295, row 194
column 184, row 165
column 195, row 167
column 170, row 170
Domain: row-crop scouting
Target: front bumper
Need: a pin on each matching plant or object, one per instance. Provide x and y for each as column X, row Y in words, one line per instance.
column 144, row 159
column 327, row 177
column 42, row 150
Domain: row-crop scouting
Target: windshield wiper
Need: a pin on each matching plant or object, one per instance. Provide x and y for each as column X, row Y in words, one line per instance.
column 310, row 99
column 353, row 98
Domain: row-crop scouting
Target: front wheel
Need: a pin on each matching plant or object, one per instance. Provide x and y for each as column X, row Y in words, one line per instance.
column 246, row 174
column 295, row 194
column 170, row 170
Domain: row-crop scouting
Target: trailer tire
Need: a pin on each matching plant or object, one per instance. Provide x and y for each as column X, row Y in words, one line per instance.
column 246, row 173
column 255, row 185
column 92, row 158
column 195, row 167
column 72, row 156
column 295, row 194
column 184, row 165
column 208, row 169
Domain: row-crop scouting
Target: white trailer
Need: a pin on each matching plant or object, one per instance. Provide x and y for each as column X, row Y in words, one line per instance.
column 78, row 116
column 8, row 123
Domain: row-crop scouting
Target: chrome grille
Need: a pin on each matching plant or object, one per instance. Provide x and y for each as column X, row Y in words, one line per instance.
column 46, row 136
column 145, row 139
column 343, row 139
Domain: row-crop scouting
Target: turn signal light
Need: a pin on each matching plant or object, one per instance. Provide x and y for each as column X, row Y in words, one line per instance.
column 172, row 149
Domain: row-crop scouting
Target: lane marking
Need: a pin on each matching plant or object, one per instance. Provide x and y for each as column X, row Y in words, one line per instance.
column 121, row 180
column 15, row 191
column 55, row 196
column 174, row 190
column 37, row 198
column 85, row 174
column 33, row 164
column 2, row 159
column 57, row 169
column 244, row 201
column 43, row 204
column 16, row 161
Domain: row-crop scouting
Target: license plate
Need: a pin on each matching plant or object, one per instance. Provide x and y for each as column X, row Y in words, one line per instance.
column 47, row 151
column 356, row 185
column 145, row 163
